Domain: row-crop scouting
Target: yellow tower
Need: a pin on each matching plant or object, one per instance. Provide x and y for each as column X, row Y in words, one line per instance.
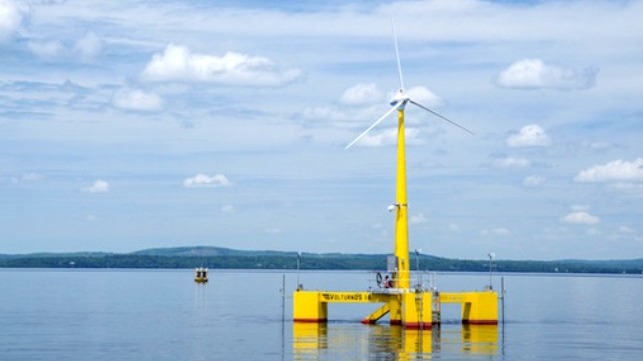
column 401, row 251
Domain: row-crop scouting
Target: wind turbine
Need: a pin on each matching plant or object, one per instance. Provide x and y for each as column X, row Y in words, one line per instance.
column 399, row 101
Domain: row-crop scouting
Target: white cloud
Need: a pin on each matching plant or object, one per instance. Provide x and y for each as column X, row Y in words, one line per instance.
column 360, row 94
column 500, row 231
column 31, row 177
column 383, row 138
column 85, row 49
column 625, row 230
column 329, row 113
column 579, row 208
column 89, row 46
column 272, row 230
column 341, row 117
column 453, row 227
column 509, row 162
column 598, row 145
column 27, row 177
column 418, row 219
column 135, row 99
column 389, row 137
column 424, row 96
column 535, row 73
column 228, row 208
column 12, row 14
column 46, row 49
column 531, row 135
column 178, row 63
column 633, row 189
column 580, row 217
column 99, row 186
column 533, row 181
column 616, row 171
column 203, row 180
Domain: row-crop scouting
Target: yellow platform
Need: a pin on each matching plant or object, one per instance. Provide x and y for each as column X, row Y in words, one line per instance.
column 410, row 309
column 478, row 308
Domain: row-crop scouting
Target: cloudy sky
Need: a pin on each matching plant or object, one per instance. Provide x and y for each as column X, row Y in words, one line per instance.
column 135, row 124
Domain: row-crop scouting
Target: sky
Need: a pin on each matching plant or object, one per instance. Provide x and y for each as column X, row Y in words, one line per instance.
column 140, row 124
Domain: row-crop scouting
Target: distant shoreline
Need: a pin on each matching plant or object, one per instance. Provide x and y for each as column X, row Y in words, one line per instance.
column 224, row 258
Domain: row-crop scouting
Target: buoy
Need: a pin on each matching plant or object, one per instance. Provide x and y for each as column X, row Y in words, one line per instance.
column 201, row 275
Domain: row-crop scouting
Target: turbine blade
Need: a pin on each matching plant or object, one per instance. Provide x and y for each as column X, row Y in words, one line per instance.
column 394, row 108
column 397, row 55
column 441, row 116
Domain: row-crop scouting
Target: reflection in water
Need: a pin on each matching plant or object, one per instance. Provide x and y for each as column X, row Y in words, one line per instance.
column 480, row 339
column 313, row 341
column 309, row 336
column 200, row 296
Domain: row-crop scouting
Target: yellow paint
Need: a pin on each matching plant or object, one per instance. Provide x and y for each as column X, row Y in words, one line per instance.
column 353, row 297
column 416, row 342
column 402, row 279
column 310, row 339
column 416, row 310
column 477, row 307
column 395, row 313
column 412, row 309
column 377, row 314
column 309, row 336
column 480, row 339
column 307, row 307
column 312, row 306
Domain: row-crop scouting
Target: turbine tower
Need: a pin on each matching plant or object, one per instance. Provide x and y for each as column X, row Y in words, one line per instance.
column 402, row 277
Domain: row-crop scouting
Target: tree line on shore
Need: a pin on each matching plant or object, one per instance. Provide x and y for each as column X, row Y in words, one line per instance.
column 221, row 258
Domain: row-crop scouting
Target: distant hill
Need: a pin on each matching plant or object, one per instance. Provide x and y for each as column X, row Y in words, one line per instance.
column 197, row 251
column 205, row 251
column 218, row 257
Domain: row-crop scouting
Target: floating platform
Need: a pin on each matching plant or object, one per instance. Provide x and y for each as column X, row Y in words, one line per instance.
column 411, row 309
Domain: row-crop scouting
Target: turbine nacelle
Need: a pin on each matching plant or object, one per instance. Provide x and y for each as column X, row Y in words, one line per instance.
column 400, row 97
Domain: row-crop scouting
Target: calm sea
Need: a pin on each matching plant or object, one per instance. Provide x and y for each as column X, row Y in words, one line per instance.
column 157, row 315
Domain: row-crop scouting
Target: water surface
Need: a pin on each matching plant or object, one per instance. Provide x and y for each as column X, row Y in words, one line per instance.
column 163, row 315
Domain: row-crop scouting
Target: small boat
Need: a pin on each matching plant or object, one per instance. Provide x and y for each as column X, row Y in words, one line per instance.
column 201, row 275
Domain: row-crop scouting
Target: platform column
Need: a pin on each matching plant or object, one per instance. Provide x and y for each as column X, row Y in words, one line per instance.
column 308, row 307
column 416, row 310
column 395, row 313
column 480, row 308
